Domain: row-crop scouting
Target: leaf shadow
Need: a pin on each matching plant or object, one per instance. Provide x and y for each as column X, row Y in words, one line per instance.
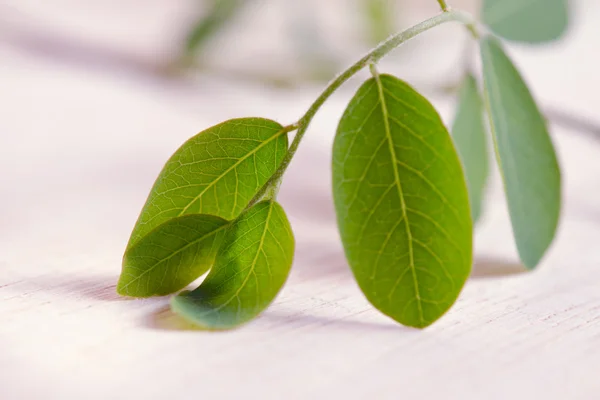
column 327, row 265
column 165, row 319
column 331, row 263
column 494, row 267
column 303, row 321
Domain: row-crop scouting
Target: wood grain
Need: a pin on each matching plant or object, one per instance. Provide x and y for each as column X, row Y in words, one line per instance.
column 75, row 173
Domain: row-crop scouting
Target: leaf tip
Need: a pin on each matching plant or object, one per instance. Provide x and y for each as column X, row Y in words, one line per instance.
column 531, row 260
column 122, row 285
column 124, row 289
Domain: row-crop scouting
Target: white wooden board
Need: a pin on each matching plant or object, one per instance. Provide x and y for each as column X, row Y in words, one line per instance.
column 79, row 149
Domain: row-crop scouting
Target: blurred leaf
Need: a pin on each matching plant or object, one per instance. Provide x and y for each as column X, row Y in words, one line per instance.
column 172, row 256
column 524, row 152
column 380, row 18
column 219, row 14
column 216, row 172
column 402, row 202
column 531, row 21
column 250, row 270
column 470, row 138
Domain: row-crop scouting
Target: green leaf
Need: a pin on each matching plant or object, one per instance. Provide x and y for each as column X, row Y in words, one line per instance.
column 402, row 202
column 172, row 256
column 524, row 152
column 469, row 136
column 216, row 172
column 250, row 269
column 530, row 21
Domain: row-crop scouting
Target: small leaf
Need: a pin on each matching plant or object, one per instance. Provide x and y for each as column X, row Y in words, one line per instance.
column 402, row 202
column 524, row 152
column 251, row 268
column 531, row 21
column 216, row 172
column 172, row 256
column 469, row 136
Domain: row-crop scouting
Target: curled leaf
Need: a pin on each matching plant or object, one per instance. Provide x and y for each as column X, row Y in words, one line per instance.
column 209, row 180
column 217, row 172
column 250, row 270
column 172, row 256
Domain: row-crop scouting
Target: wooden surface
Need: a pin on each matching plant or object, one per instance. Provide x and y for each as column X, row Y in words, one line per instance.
column 79, row 149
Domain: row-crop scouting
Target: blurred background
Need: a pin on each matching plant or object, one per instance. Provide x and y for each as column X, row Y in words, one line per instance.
column 280, row 41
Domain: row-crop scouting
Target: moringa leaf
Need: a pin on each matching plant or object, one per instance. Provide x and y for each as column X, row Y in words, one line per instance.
column 250, row 270
column 216, row 172
column 402, row 202
column 524, row 152
column 469, row 134
column 172, row 256
column 209, row 179
column 531, row 21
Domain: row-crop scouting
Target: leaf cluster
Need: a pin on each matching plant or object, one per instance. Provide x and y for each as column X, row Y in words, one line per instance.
column 406, row 191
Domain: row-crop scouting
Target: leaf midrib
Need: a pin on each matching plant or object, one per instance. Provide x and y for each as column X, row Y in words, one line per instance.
column 228, row 170
column 401, row 196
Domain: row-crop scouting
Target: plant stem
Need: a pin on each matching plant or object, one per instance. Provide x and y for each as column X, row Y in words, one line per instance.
column 443, row 5
column 371, row 57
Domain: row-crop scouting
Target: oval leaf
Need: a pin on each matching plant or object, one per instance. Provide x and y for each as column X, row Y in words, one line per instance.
column 250, row 269
column 531, row 21
column 172, row 256
column 217, row 172
column 524, row 152
column 402, row 203
column 469, row 134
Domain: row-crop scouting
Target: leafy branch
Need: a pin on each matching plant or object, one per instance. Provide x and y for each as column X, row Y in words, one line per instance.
column 371, row 57
column 406, row 192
